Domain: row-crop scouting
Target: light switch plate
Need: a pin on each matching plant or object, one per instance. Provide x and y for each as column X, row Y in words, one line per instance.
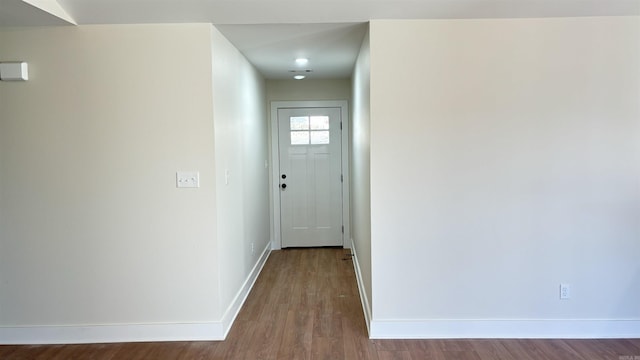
column 187, row 179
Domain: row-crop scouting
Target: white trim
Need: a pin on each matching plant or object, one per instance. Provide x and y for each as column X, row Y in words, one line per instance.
column 504, row 329
column 346, row 180
column 234, row 308
column 274, row 180
column 366, row 309
column 205, row 331
column 23, row 335
column 275, row 163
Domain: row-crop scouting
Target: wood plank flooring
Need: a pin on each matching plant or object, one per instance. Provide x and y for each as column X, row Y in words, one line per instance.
column 305, row 305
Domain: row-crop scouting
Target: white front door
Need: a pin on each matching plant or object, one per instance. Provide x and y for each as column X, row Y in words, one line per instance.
column 310, row 179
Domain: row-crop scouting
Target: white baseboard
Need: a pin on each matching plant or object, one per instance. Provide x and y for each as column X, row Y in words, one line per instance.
column 110, row 333
column 234, row 308
column 507, row 329
column 363, row 295
column 205, row 331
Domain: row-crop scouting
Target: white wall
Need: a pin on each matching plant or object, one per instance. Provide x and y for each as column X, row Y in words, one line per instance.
column 96, row 242
column 360, row 174
column 242, row 153
column 308, row 89
column 505, row 159
column 93, row 229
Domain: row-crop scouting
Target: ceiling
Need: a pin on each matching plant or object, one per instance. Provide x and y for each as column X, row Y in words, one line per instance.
column 272, row 33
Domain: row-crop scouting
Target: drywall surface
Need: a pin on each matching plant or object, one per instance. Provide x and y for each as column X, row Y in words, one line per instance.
column 241, row 166
column 360, row 171
column 93, row 230
column 505, row 160
column 308, row 89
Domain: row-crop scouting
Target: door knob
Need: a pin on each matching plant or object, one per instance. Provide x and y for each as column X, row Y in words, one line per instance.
column 284, row 186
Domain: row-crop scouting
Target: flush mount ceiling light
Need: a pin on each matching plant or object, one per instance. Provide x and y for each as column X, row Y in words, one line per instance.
column 302, row 61
column 299, row 77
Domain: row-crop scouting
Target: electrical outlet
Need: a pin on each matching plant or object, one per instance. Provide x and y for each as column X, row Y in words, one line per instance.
column 252, row 249
column 565, row 291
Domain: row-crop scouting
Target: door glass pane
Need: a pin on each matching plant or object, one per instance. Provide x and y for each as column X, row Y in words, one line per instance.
column 299, row 122
column 319, row 137
column 299, row 138
column 319, row 123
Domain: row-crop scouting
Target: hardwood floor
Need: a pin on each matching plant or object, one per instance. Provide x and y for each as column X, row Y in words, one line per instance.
column 305, row 305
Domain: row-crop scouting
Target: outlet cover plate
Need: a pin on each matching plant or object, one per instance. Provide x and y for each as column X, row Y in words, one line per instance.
column 565, row 291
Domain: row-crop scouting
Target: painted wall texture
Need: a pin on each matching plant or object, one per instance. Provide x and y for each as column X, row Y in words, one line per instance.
column 93, row 230
column 505, row 160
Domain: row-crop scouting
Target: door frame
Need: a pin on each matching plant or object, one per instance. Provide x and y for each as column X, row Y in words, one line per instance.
column 274, row 180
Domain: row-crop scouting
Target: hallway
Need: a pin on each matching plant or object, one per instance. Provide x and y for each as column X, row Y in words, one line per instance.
column 305, row 305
